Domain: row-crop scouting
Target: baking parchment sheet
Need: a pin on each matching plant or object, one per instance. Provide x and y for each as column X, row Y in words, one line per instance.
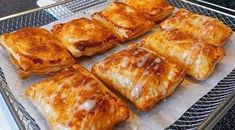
column 165, row 113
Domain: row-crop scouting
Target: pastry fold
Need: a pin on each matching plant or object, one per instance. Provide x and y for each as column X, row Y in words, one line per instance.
column 208, row 29
column 35, row 51
column 74, row 99
column 155, row 10
column 125, row 21
column 142, row 77
column 84, row 37
column 197, row 57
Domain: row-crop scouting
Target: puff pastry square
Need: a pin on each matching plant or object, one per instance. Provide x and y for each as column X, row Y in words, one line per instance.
column 35, row 51
column 142, row 77
column 198, row 58
column 155, row 10
column 84, row 37
column 74, row 99
column 126, row 22
column 208, row 29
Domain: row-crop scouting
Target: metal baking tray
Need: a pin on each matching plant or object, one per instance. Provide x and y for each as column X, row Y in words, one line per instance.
column 204, row 114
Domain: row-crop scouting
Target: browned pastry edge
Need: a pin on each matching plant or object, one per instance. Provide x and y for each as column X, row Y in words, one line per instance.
column 85, row 46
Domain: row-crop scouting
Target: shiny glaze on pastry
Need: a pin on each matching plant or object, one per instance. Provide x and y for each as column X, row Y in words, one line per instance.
column 142, row 77
column 84, row 37
column 74, row 99
column 126, row 22
column 208, row 29
column 197, row 57
column 35, row 51
column 155, row 10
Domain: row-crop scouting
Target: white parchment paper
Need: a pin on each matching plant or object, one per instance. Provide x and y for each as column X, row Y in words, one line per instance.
column 161, row 116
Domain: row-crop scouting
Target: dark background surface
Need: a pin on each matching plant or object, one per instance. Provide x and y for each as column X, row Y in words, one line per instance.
column 226, row 3
column 8, row 7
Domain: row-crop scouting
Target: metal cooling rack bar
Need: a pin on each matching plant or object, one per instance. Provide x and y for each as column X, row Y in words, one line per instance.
column 220, row 111
column 72, row 8
column 212, row 6
column 9, row 99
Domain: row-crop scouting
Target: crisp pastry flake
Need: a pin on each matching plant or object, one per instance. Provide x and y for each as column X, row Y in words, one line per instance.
column 84, row 37
column 208, row 29
column 74, row 99
column 197, row 57
column 142, row 77
column 125, row 21
column 155, row 10
column 35, row 51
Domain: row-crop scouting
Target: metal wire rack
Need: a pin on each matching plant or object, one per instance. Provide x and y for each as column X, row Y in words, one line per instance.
column 191, row 119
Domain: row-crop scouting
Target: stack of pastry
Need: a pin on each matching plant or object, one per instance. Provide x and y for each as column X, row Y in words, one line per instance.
column 144, row 72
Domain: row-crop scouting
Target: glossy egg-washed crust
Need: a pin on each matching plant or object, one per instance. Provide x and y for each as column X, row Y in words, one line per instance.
column 208, row 29
column 60, row 98
column 125, row 21
column 84, row 37
column 197, row 57
column 35, row 51
column 155, row 10
column 142, row 77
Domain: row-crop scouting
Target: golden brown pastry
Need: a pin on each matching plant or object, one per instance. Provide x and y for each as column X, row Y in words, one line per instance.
column 74, row 99
column 208, row 29
column 126, row 22
column 84, row 37
column 197, row 57
column 155, row 10
column 35, row 51
column 142, row 77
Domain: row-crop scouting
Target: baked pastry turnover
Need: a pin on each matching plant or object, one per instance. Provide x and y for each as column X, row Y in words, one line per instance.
column 84, row 37
column 35, row 51
column 198, row 58
column 142, row 77
column 74, row 99
column 126, row 22
column 208, row 29
column 155, row 10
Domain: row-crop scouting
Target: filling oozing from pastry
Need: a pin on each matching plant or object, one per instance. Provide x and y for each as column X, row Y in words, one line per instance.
column 84, row 37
